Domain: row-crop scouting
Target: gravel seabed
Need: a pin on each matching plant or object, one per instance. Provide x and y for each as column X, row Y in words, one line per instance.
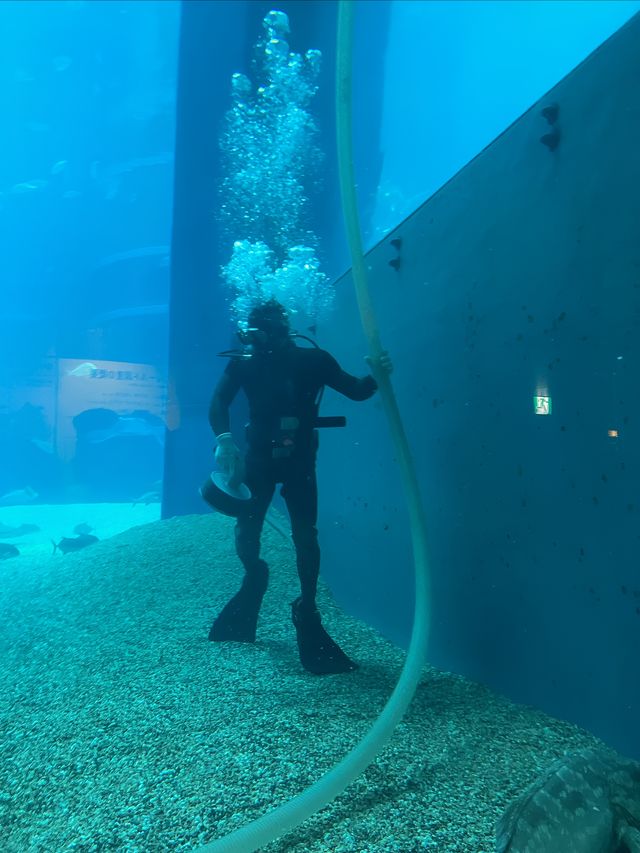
column 122, row 728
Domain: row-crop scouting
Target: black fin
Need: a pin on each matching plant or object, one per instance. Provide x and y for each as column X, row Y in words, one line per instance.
column 319, row 654
column 238, row 620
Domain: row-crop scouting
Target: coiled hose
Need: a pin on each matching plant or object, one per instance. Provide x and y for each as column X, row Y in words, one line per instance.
column 283, row 819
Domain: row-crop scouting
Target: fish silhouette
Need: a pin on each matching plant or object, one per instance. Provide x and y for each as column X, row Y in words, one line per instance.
column 7, row 550
column 74, row 543
column 20, row 530
column 586, row 802
column 19, row 497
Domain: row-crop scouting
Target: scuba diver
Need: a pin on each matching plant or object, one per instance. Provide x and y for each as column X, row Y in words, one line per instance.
column 283, row 384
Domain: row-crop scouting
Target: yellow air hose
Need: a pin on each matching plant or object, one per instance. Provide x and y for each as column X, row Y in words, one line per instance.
column 283, row 819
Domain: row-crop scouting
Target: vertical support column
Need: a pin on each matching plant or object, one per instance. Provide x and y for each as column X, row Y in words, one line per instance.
column 212, row 46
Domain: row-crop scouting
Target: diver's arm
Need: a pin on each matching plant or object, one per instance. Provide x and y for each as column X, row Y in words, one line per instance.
column 353, row 387
column 227, row 455
column 223, row 395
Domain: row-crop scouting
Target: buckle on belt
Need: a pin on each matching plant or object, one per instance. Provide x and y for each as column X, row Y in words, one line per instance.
column 285, row 445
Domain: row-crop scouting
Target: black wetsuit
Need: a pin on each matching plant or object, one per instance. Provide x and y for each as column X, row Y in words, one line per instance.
column 282, row 389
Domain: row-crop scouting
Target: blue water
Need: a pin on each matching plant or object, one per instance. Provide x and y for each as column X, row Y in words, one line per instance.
column 89, row 93
column 131, row 252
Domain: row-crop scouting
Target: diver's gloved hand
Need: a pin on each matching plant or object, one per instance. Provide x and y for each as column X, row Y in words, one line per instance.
column 229, row 459
column 383, row 363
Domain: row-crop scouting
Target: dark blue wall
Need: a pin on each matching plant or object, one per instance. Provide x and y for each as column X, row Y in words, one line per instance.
column 520, row 276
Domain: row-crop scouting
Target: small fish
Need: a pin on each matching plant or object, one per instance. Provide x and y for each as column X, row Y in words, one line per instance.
column 61, row 63
column 7, row 551
column 19, row 497
column 21, row 530
column 82, row 528
column 58, row 167
column 28, row 186
column 75, row 543
column 84, row 369
column 164, row 157
column 148, row 498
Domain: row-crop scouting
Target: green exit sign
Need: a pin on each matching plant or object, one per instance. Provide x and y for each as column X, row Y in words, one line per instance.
column 542, row 405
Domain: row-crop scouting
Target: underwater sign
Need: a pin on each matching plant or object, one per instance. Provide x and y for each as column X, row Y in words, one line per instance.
column 120, row 386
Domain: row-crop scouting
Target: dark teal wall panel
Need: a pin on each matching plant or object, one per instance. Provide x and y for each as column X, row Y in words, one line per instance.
column 521, row 275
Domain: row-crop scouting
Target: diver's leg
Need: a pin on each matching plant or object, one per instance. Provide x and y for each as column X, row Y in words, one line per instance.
column 301, row 496
column 239, row 618
column 318, row 652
